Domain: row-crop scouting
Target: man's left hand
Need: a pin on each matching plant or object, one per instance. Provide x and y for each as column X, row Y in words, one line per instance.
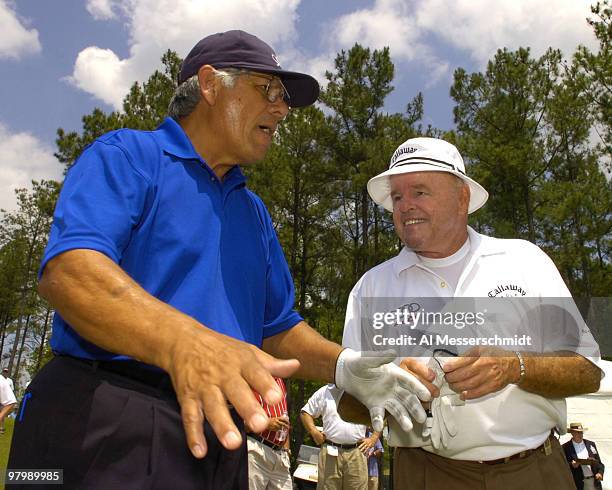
column 481, row 371
column 598, row 476
column 367, row 443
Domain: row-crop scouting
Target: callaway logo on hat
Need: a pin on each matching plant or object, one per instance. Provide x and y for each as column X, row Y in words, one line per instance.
column 425, row 155
column 239, row 49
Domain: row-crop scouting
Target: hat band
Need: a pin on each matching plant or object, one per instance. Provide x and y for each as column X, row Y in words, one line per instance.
column 427, row 161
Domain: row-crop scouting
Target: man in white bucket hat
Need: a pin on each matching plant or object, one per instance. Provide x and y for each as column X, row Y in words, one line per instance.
column 425, row 155
column 493, row 409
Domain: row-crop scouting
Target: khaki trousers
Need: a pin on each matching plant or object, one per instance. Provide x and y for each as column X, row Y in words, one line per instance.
column 416, row 469
column 268, row 468
column 372, row 483
column 347, row 471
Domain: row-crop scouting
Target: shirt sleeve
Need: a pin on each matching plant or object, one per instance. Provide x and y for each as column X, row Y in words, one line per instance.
column 351, row 337
column 279, row 312
column 315, row 403
column 563, row 327
column 7, row 397
column 101, row 202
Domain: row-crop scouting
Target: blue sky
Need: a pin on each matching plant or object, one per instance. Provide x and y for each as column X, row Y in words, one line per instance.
column 61, row 58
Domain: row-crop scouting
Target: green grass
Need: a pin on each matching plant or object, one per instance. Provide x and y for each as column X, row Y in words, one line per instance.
column 5, row 443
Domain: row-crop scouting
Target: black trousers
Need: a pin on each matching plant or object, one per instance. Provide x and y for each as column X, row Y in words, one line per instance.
column 108, row 431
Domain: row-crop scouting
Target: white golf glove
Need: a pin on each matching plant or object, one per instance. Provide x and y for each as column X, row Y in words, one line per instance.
column 441, row 425
column 379, row 384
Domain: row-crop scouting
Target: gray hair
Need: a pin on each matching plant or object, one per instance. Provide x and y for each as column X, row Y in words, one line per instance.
column 187, row 95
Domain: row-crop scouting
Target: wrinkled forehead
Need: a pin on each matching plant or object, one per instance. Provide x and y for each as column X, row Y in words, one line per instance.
column 428, row 179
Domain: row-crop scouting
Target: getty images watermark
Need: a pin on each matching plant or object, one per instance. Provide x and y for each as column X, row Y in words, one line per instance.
column 417, row 326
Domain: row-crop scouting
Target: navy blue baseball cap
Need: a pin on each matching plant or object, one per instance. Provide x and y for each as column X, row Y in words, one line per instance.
column 239, row 49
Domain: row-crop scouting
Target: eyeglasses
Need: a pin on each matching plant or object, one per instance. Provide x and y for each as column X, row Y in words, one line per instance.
column 273, row 90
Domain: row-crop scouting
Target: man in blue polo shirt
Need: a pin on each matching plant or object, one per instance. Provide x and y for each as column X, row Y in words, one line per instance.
column 173, row 299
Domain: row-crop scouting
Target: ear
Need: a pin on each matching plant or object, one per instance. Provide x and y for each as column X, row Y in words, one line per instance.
column 208, row 84
column 464, row 199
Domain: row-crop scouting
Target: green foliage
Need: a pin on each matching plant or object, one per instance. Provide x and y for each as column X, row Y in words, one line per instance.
column 501, row 128
column 24, row 235
column 143, row 108
column 597, row 68
column 523, row 127
column 360, row 140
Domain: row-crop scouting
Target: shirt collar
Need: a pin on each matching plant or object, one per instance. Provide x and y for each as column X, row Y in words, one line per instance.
column 480, row 245
column 175, row 142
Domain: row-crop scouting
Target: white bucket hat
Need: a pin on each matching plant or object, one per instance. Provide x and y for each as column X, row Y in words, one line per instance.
column 425, row 155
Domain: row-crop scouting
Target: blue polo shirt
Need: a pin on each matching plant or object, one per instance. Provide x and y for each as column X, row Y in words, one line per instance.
column 149, row 202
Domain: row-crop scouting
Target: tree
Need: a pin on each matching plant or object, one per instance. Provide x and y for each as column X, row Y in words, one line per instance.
column 598, row 70
column 523, row 127
column 360, row 140
column 143, row 108
column 576, row 218
column 25, row 233
column 500, row 123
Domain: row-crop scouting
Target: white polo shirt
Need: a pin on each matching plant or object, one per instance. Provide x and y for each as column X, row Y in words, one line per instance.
column 322, row 404
column 503, row 423
column 7, row 396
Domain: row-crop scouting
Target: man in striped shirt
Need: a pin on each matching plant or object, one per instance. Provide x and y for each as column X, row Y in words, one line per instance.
column 269, row 450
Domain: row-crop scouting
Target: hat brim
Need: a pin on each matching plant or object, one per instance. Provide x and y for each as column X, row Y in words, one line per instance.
column 303, row 89
column 577, row 430
column 379, row 187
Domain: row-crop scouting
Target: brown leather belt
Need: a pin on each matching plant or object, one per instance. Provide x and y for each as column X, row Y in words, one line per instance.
column 544, row 448
column 341, row 446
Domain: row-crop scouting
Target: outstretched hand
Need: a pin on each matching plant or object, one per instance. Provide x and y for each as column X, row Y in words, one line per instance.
column 210, row 370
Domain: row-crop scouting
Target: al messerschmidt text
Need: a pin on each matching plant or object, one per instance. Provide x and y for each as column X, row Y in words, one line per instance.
column 445, row 339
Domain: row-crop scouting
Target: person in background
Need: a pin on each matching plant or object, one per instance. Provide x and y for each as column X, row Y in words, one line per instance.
column 342, row 460
column 269, row 450
column 586, row 476
column 5, row 373
column 7, row 402
column 374, row 454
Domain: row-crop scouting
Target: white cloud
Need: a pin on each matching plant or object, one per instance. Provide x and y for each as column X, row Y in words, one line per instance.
column 22, row 158
column 420, row 34
column 480, row 27
column 101, row 73
column 388, row 23
column 413, row 29
column 391, row 23
column 16, row 39
column 102, row 9
column 157, row 25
